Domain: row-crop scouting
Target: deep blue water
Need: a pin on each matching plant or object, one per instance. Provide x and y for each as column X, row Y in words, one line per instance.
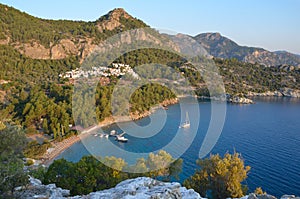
column 267, row 134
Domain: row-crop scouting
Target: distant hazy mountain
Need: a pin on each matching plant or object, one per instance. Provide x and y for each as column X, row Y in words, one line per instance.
column 222, row 47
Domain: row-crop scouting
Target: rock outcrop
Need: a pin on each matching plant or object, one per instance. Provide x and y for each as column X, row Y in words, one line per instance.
column 240, row 100
column 288, row 92
column 111, row 20
column 138, row 188
column 37, row 190
column 144, row 188
column 267, row 196
column 60, row 50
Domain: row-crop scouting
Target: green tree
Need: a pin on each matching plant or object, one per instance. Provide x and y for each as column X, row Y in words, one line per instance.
column 12, row 141
column 220, row 177
column 90, row 175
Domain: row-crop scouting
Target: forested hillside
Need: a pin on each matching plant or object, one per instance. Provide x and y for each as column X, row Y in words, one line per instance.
column 23, row 28
column 33, row 95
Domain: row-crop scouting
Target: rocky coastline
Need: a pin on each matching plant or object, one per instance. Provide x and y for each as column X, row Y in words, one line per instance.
column 240, row 100
column 283, row 92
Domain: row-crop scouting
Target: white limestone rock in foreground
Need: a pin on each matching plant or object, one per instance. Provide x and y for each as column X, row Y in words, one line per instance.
column 144, row 188
column 37, row 190
column 138, row 188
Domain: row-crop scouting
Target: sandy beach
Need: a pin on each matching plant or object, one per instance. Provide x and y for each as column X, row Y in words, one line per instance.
column 59, row 147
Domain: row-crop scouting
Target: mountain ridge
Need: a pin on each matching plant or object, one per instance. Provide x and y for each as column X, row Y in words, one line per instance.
column 58, row 39
column 223, row 47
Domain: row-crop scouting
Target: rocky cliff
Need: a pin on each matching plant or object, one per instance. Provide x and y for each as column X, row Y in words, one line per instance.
column 139, row 188
column 57, row 39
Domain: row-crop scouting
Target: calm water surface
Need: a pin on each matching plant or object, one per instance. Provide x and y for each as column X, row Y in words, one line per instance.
column 266, row 133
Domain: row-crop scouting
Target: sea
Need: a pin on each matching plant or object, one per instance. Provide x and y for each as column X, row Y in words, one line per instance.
column 267, row 134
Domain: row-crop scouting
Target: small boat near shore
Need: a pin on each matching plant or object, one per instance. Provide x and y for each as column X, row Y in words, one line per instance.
column 113, row 133
column 165, row 107
column 121, row 138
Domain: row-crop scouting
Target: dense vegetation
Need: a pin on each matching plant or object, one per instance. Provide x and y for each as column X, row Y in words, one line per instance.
column 26, row 71
column 36, row 150
column 12, row 142
column 23, row 28
column 39, row 100
column 219, row 177
column 242, row 77
column 90, row 175
column 216, row 177
column 33, row 96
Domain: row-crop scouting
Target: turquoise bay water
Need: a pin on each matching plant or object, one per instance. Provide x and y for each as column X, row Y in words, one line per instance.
column 266, row 133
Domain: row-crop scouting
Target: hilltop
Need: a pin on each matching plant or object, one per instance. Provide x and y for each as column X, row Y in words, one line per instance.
column 58, row 39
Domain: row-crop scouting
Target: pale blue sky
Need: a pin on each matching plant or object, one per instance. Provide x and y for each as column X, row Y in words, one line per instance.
column 271, row 24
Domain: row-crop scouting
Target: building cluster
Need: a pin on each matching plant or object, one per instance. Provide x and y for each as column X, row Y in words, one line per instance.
column 116, row 69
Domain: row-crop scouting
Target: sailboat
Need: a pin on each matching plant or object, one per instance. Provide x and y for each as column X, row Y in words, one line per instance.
column 187, row 123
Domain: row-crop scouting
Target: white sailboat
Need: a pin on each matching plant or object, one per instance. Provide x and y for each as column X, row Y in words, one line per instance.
column 187, row 123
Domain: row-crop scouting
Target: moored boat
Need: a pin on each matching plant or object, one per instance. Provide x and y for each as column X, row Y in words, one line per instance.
column 187, row 123
column 113, row 133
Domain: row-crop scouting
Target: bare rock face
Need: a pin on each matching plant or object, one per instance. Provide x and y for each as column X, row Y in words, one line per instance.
column 240, row 100
column 33, row 50
column 69, row 47
column 289, row 197
column 63, row 49
column 37, row 190
column 144, row 188
column 290, row 92
column 263, row 196
column 138, row 188
column 112, row 19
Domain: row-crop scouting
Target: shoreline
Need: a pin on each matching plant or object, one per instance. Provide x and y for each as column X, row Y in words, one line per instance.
column 60, row 147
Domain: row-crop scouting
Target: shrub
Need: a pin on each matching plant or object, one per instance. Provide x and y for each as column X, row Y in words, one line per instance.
column 220, row 177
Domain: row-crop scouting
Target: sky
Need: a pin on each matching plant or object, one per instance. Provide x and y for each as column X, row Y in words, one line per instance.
column 271, row 24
